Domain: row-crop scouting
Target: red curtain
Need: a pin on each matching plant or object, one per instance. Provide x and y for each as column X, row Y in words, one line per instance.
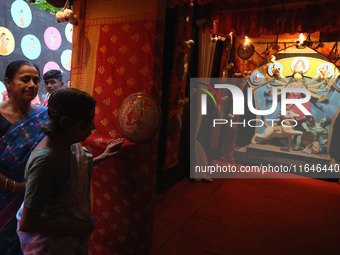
column 117, row 51
column 123, row 188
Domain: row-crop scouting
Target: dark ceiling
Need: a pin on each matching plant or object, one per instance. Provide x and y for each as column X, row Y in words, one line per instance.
column 234, row 5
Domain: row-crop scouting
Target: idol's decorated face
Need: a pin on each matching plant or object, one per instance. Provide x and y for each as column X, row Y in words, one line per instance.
column 297, row 76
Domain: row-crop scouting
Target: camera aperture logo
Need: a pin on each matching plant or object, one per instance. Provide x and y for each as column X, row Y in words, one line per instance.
column 204, row 97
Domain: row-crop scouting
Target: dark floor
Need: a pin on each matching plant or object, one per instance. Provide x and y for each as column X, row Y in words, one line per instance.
column 248, row 216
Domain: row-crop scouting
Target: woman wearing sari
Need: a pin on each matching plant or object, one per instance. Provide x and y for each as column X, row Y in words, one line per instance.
column 20, row 122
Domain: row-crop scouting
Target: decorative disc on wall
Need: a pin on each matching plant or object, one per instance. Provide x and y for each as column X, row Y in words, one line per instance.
column 52, row 38
column 257, row 78
column 21, row 13
column 7, row 41
column 69, row 32
column 66, row 59
column 300, row 65
column 51, row 65
column 30, row 46
column 275, row 69
column 325, row 70
column 139, row 117
column 245, row 50
column 2, row 89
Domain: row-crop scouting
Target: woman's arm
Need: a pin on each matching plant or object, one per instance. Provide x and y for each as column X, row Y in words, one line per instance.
column 32, row 222
column 112, row 148
column 11, row 185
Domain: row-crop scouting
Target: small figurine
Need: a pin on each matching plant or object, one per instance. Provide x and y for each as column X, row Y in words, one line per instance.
column 272, row 59
column 257, row 78
column 276, row 72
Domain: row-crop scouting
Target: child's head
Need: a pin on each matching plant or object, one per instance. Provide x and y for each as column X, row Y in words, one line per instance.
column 53, row 80
column 67, row 107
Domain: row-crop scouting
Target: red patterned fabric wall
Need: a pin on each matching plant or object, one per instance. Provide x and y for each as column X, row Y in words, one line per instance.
column 114, row 57
column 123, row 188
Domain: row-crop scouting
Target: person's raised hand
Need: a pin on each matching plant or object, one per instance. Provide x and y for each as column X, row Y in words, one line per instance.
column 113, row 147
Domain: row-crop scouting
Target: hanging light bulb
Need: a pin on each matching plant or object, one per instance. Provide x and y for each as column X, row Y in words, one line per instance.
column 301, row 37
column 246, row 40
column 299, row 42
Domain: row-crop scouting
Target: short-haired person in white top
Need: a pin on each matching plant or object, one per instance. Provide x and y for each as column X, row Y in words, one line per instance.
column 53, row 80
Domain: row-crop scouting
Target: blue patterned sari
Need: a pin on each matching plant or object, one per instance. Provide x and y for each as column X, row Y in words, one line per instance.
column 15, row 148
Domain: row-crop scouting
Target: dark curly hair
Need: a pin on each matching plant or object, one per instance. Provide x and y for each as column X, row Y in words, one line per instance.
column 53, row 74
column 70, row 102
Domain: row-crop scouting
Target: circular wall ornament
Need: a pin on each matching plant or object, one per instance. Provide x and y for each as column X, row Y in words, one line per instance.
column 2, row 89
column 7, row 42
column 21, row 13
column 139, row 117
column 300, row 65
column 325, row 70
column 51, row 65
column 275, row 69
column 52, row 38
column 66, row 59
column 69, row 32
column 257, row 77
column 30, row 46
column 245, row 50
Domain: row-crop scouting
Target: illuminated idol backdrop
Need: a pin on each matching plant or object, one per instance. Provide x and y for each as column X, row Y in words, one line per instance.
column 28, row 33
column 298, row 68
